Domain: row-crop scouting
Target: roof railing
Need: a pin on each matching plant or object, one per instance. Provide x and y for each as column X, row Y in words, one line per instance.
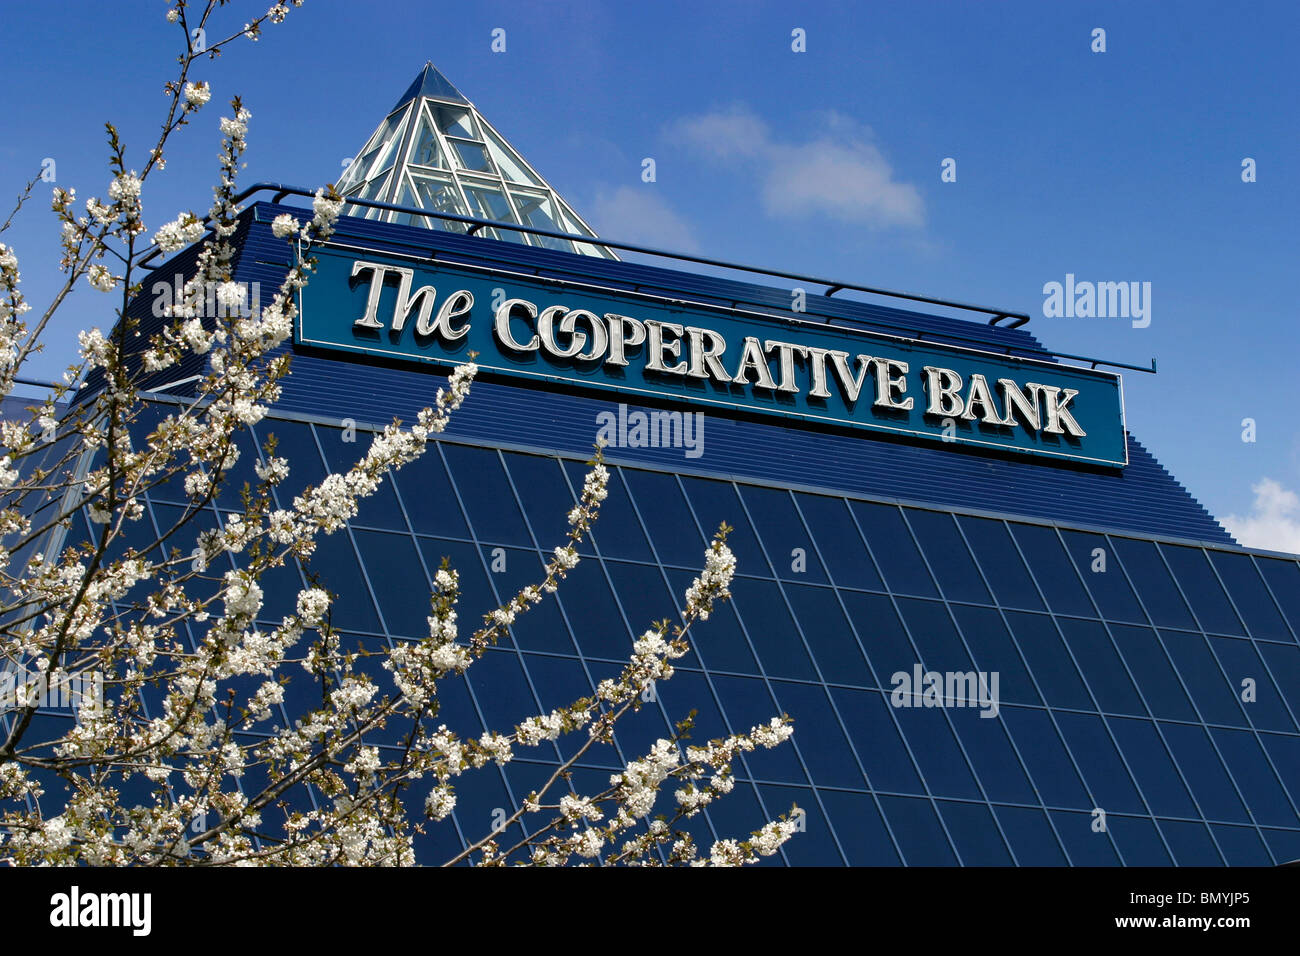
column 280, row 191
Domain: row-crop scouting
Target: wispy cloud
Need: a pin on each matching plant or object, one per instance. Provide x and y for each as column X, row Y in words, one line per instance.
column 638, row 215
column 1274, row 520
column 838, row 172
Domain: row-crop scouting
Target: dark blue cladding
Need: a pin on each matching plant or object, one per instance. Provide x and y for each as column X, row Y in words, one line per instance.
column 1122, row 663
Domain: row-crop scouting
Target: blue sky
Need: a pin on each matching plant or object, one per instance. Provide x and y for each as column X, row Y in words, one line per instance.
column 1117, row 166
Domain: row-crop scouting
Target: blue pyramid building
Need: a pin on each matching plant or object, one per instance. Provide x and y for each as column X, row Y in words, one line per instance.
column 1003, row 638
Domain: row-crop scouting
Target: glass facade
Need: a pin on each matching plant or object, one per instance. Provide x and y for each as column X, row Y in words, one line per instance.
column 435, row 151
column 1146, row 695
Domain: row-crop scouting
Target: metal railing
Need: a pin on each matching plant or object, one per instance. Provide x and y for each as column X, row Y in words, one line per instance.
column 280, row 191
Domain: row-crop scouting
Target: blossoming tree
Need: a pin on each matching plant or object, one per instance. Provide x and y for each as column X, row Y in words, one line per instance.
column 177, row 755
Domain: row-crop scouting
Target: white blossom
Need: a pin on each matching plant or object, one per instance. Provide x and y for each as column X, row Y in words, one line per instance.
column 100, row 278
column 284, row 225
column 197, row 94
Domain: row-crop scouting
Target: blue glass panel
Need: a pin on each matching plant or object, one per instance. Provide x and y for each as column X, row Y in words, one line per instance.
column 941, row 760
column 437, row 842
column 1001, row 562
column 230, row 494
column 990, row 642
column 719, row 641
column 638, row 731
column 1241, row 846
column 1053, row 570
column 617, row 531
column 736, row 816
column 996, row 763
column 782, row 532
column 1284, row 845
column 141, row 536
column 1210, row 783
column 545, row 495
column 558, row 682
column 1283, row 579
column 302, row 693
column 816, row 846
column 1153, row 672
column 369, row 662
column 1104, row 773
column 747, row 704
column 1031, row 836
column 1202, row 588
column 672, row 527
column 593, row 614
column 771, row 629
column 949, row 558
column 1049, row 765
column 456, row 707
column 715, row 502
column 1245, row 759
column 895, row 551
column 1213, row 696
column 529, row 776
column 640, row 588
column 1155, row 772
column 1250, row 596
column 876, row 740
column 486, row 493
column 1240, row 662
column 1285, row 751
column 1048, row 660
column 503, row 695
column 379, row 510
column 932, row 629
column 860, row 828
column 827, row 754
column 837, row 538
column 1155, row 588
column 400, row 584
column 688, row 691
column 827, row 630
column 917, row 829
column 476, row 595
column 1101, row 666
column 882, row 635
column 1085, row 846
column 1103, row 577
column 478, row 796
column 1284, row 661
column 280, row 587
column 541, row 628
column 295, row 442
column 975, row 833
column 1138, row 841
column 340, row 574
column 428, row 497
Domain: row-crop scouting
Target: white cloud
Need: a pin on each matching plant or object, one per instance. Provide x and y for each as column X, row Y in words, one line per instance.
column 1274, row 520
column 637, row 215
column 839, row 172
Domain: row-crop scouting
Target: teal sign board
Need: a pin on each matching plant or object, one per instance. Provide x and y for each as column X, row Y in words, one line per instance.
column 574, row 332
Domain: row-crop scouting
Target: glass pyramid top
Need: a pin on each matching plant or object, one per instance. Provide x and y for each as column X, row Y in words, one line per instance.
column 435, row 151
